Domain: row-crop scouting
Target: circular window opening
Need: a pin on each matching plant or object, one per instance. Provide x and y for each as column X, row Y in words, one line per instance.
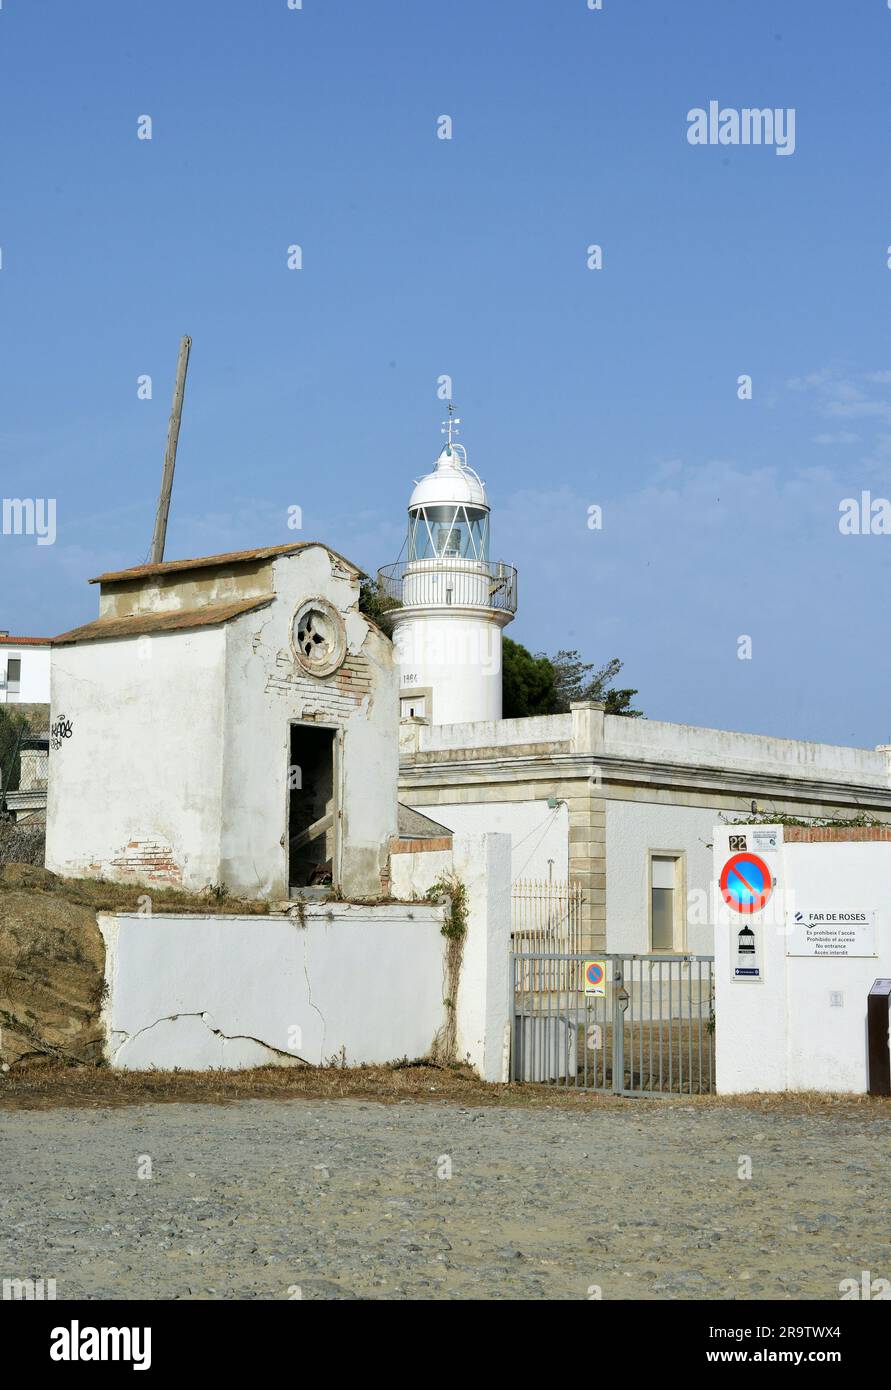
column 318, row 637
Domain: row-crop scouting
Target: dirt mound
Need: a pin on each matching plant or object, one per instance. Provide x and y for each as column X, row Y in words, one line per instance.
column 20, row 875
column 52, row 956
column 52, row 962
column 22, row 842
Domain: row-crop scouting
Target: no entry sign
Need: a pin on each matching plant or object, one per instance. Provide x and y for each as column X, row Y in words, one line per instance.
column 595, row 978
column 746, row 882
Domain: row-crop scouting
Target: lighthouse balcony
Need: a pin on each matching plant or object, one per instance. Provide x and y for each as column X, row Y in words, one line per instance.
column 452, row 581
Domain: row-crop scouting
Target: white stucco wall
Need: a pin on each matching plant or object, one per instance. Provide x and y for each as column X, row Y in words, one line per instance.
column 34, row 687
column 753, row 753
column 365, row 983
column 545, row 728
column 632, row 829
column 412, row 874
column 537, row 833
column 264, row 692
column 457, row 656
column 143, row 764
column 785, row 1031
column 176, row 769
column 484, row 1002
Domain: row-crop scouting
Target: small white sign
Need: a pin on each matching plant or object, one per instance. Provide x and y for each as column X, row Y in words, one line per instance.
column 745, row 952
column 765, row 841
column 832, row 932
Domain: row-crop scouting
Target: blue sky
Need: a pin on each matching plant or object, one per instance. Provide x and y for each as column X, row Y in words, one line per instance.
column 467, row 257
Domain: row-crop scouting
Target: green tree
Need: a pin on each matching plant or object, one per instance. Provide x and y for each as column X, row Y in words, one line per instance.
column 581, row 680
column 528, row 683
column 377, row 605
column 548, row 685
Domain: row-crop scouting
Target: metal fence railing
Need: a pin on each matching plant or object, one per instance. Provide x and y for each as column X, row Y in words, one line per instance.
column 24, row 779
column 448, row 580
column 650, row 1031
column 546, row 930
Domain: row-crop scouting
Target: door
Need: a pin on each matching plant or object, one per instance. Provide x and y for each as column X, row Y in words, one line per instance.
column 313, row 821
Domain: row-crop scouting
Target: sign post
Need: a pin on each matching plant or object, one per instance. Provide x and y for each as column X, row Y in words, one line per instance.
column 746, row 884
column 878, row 1060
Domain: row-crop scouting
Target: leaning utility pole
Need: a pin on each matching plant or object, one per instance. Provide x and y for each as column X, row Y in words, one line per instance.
column 176, row 412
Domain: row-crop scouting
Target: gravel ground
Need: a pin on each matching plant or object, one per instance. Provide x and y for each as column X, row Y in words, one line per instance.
column 342, row 1199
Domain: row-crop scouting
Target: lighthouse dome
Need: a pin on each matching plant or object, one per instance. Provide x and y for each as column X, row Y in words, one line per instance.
column 450, row 600
column 452, row 481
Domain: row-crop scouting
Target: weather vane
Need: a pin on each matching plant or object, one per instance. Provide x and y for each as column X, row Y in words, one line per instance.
column 450, row 426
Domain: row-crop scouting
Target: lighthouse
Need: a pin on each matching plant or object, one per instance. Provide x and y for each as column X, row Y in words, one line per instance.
column 451, row 600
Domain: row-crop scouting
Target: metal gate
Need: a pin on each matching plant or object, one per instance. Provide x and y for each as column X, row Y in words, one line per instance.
column 650, row 1033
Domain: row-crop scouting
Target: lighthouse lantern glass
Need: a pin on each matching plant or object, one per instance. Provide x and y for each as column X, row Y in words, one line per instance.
column 448, row 532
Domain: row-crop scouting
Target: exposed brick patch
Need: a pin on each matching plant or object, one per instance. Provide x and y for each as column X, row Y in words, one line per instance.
column 827, row 834
column 147, row 860
column 428, row 846
column 336, row 697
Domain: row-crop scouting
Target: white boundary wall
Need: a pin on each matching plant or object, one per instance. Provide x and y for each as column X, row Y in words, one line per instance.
column 484, row 1003
column 365, row 983
column 801, row 1025
column 538, row 832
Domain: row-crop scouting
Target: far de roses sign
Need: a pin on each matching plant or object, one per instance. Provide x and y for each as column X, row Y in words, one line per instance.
column 831, row 932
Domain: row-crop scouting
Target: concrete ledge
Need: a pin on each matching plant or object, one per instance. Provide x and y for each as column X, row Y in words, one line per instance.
column 430, row 845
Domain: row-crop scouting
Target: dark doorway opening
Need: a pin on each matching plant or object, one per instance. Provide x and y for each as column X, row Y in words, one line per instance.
column 312, row 807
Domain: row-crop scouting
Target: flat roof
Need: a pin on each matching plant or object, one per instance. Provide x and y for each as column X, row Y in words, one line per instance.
column 231, row 557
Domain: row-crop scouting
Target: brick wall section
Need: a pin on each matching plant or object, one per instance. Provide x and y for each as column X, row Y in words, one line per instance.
column 335, row 698
column 148, row 861
column 833, row 834
column 353, row 678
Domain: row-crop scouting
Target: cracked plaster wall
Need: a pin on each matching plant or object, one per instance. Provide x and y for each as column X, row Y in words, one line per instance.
column 142, row 761
column 176, row 769
column 265, row 688
column 203, row 992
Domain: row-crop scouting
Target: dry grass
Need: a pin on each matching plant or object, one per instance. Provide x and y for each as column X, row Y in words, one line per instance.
column 22, row 842
column 101, row 896
column 43, row 1087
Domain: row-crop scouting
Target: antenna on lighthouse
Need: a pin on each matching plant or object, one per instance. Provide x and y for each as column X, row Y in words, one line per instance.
column 450, row 426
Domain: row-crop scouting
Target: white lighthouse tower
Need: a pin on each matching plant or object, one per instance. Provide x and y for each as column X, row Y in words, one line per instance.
column 453, row 600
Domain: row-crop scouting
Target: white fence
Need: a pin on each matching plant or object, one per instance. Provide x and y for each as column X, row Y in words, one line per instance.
column 546, row 919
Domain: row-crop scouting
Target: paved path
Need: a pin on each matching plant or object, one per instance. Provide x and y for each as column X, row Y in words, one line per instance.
column 341, row 1199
